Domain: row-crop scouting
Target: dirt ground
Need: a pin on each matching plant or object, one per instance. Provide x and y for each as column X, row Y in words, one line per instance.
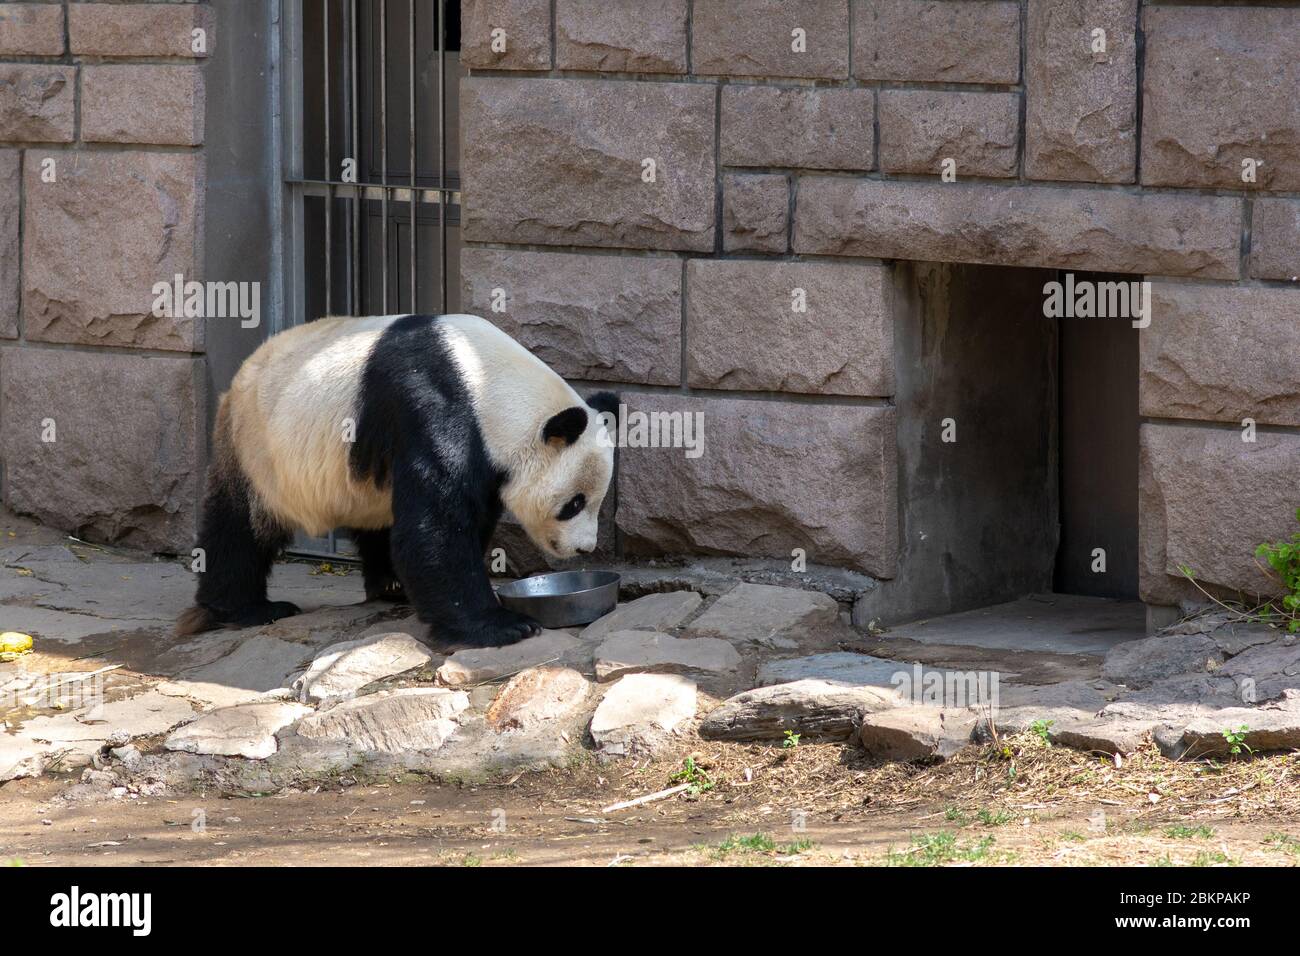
column 1018, row 802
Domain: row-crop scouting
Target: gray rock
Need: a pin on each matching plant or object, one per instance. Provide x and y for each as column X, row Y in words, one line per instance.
column 654, row 612
column 739, row 315
column 919, row 129
column 1218, row 87
column 1207, row 499
column 768, row 481
column 599, row 132
column 245, row 730
column 92, row 477
column 625, row 652
column 258, row 665
column 1031, row 225
column 621, row 36
column 1274, row 726
column 755, row 212
column 916, row 733
column 342, row 669
column 390, row 722
column 607, row 318
column 1138, row 663
column 812, row 708
column 766, row 615
column 1274, row 239
column 1114, row 735
column 1250, row 372
column 479, row 664
column 1176, row 699
column 538, row 697
column 936, row 42
column 1081, row 108
column 642, row 713
column 842, row 667
column 1020, row 706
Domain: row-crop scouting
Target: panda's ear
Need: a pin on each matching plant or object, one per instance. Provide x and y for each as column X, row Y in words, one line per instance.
column 563, row 428
column 605, row 403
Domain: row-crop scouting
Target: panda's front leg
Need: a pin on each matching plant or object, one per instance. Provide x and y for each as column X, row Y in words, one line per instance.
column 437, row 554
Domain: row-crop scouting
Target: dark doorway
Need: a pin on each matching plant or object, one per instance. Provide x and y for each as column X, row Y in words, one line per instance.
column 1017, row 444
column 1099, row 454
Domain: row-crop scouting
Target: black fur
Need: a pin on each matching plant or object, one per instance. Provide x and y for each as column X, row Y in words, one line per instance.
column 605, row 403
column 376, row 551
column 565, row 426
column 417, row 431
column 239, row 548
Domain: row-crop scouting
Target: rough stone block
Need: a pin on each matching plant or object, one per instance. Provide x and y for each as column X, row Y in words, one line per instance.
column 1206, row 500
column 975, row 41
column 755, row 213
column 141, row 29
column 1222, row 353
column 621, row 36
column 37, row 103
column 10, row 209
column 921, row 128
column 1275, row 239
column 575, row 171
column 1081, row 105
column 162, row 105
column 608, row 318
column 522, row 43
column 763, row 38
column 1043, row 226
column 96, row 241
column 31, row 29
column 127, row 450
column 820, row 327
column 803, row 127
column 1219, row 87
column 770, row 479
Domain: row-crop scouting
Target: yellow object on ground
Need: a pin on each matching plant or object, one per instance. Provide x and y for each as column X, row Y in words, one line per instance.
column 13, row 643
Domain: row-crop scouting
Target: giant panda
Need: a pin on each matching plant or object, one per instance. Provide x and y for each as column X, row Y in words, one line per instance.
column 414, row 432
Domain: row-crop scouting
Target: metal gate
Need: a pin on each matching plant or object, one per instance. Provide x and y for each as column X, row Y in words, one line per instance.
column 371, row 214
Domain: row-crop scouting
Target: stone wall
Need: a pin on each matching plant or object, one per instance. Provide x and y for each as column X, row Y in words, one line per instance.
column 104, row 188
column 649, row 187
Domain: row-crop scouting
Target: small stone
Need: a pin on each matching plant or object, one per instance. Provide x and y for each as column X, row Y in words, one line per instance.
column 390, row 722
column 37, row 102
column 640, row 715
column 129, row 755
column 767, row 615
column 245, row 730
column 624, row 652
column 537, row 697
column 654, row 612
column 101, row 779
column 916, row 733
column 755, row 212
column 476, row 665
column 1268, row 728
column 1138, row 663
column 340, row 670
column 810, row 708
column 1113, row 736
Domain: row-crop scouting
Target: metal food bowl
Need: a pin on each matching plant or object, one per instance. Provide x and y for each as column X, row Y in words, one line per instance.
column 562, row 599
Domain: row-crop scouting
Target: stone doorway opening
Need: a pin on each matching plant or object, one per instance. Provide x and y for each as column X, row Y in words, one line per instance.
column 1017, row 462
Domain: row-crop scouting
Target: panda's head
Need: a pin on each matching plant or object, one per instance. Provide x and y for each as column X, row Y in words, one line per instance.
column 558, row 499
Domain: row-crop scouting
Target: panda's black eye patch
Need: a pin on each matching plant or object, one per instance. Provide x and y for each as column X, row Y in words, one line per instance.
column 572, row 508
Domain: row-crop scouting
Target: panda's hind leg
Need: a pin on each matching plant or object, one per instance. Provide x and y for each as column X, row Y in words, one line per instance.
column 238, row 544
column 376, row 550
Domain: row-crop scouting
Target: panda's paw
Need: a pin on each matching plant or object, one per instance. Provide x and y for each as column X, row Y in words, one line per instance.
column 266, row 612
column 390, row 590
column 498, row 628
